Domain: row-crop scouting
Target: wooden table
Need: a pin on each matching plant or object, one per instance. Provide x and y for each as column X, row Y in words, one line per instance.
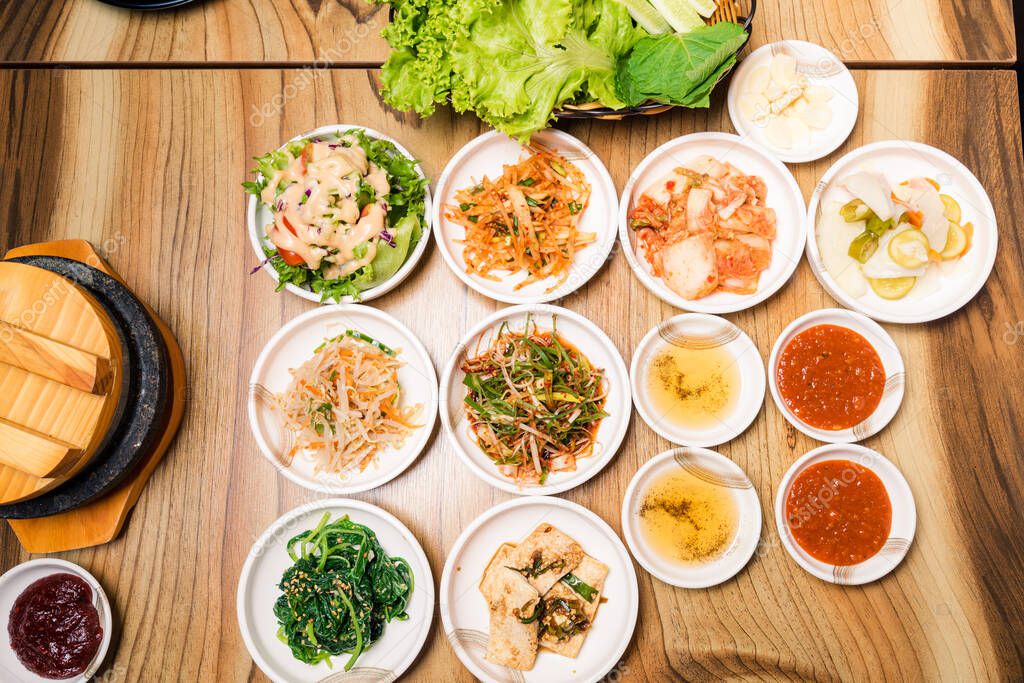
column 280, row 32
column 146, row 164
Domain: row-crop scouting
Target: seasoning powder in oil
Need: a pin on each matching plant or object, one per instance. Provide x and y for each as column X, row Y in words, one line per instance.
column 686, row 519
column 693, row 388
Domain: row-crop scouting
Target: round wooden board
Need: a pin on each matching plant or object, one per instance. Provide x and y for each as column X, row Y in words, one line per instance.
column 49, row 309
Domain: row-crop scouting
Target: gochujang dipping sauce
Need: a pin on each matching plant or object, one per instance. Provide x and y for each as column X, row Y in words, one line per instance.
column 830, row 377
column 839, row 512
column 54, row 627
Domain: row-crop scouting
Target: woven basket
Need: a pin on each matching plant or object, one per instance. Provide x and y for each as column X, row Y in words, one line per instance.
column 728, row 10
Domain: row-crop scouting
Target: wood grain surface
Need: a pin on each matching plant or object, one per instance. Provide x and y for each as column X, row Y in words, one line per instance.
column 147, row 165
column 863, row 32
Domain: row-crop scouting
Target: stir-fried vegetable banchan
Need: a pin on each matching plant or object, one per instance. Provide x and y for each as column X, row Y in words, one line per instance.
column 340, row 593
column 534, row 402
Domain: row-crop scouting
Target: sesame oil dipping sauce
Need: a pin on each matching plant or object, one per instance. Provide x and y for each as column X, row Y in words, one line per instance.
column 693, row 389
column 686, row 519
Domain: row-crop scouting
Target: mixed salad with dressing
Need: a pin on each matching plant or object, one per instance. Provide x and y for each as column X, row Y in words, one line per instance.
column 346, row 211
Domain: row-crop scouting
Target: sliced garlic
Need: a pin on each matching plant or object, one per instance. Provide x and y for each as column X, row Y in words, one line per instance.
column 818, row 93
column 774, row 91
column 817, row 116
column 784, row 69
column 754, row 107
column 778, row 133
column 797, row 109
column 789, row 97
column 800, row 134
column 758, row 80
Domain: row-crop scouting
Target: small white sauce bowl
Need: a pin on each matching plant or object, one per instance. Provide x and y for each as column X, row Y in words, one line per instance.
column 695, row 327
column 16, row 580
column 904, row 516
column 713, row 468
column 888, row 352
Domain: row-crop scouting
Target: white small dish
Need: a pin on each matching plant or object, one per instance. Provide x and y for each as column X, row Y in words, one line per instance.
column 822, row 68
column 258, row 590
column 784, row 196
column 293, row 345
column 16, row 580
column 258, row 216
column 485, row 156
column 585, row 336
column 464, row 611
column 888, row 353
column 711, row 467
column 944, row 288
column 696, row 327
column 901, row 533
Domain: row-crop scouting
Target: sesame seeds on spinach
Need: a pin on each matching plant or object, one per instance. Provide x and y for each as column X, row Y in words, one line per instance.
column 340, row 593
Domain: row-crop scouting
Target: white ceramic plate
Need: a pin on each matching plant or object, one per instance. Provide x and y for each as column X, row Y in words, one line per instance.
column 888, row 352
column 697, row 327
column 783, row 195
column 293, row 345
column 486, row 156
column 257, row 592
column 945, row 287
column 823, row 69
column 904, row 516
column 258, row 216
column 15, row 581
column 464, row 611
column 584, row 336
column 711, row 467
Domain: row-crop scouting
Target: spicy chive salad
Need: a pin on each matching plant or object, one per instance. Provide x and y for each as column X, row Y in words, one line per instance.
column 534, row 402
column 346, row 212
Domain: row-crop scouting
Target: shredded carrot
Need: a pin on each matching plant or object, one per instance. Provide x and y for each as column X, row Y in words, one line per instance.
column 526, row 220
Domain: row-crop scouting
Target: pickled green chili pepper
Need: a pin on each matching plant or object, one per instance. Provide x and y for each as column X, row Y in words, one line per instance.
column 864, row 246
column 855, row 210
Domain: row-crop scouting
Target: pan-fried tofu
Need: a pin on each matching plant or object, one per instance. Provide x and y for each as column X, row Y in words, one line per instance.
column 592, row 573
column 512, row 643
column 545, row 556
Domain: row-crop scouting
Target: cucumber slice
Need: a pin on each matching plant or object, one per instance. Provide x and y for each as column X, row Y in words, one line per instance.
column 705, row 8
column 909, row 249
column 646, row 16
column 951, row 208
column 680, row 14
column 892, row 287
column 956, row 242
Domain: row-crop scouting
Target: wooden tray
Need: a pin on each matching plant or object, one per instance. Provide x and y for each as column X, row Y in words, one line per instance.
column 102, row 520
column 62, row 380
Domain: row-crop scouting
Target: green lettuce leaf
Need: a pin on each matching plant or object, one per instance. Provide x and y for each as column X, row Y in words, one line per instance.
column 389, row 259
column 521, row 60
column 679, row 68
